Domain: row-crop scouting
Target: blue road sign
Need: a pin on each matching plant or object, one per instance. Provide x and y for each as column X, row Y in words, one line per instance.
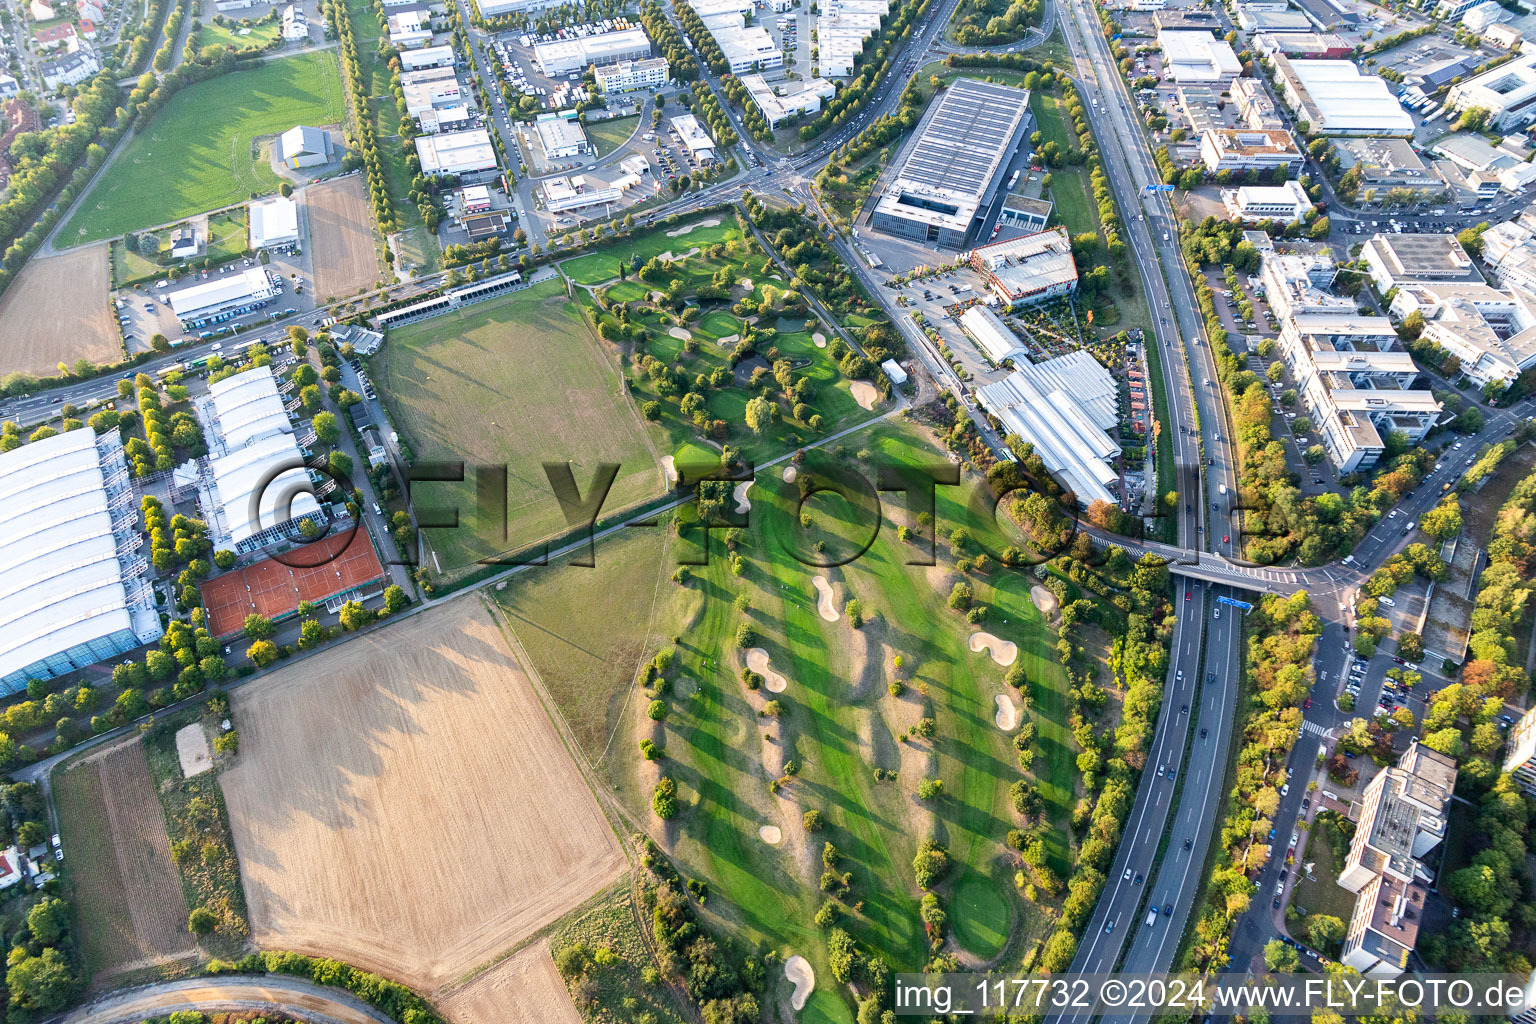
column 1244, row 605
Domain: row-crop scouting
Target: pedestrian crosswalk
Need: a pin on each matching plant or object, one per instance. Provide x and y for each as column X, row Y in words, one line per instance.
column 1313, row 728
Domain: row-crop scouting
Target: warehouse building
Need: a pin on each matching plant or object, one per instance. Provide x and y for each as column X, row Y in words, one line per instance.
column 1065, row 407
column 1030, row 269
column 456, row 152
column 1304, row 45
column 274, row 224
column 1288, row 203
column 302, row 146
column 1508, row 93
column 224, row 298
column 629, row 75
column 798, row 97
column 254, row 489
column 426, row 57
column 431, row 89
column 996, row 341
column 1336, row 99
column 72, row 571
column 560, row 136
column 1198, row 57
column 949, row 173
column 1238, row 149
column 564, row 56
column 1250, row 18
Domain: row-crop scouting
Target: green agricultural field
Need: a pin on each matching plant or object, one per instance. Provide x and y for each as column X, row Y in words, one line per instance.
column 837, row 719
column 517, row 381
column 608, row 136
column 185, row 162
column 597, row 267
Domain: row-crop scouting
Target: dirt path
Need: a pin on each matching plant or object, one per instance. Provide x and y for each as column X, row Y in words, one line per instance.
column 225, row 995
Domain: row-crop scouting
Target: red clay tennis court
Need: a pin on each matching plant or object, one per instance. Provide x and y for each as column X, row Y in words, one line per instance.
column 317, row 571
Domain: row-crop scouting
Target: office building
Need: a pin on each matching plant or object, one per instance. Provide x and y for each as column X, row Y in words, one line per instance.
column 564, row 56
column 797, row 98
column 950, row 171
column 1239, row 149
column 410, row 29
column 1508, row 93
column 1287, row 203
column 1520, row 761
column 748, row 49
column 1255, row 110
column 1334, row 98
column 630, row 75
column 70, row 69
column 560, row 136
column 1296, row 284
column 1402, row 819
column 1396, row 260
column 697, row 141
column 1198, row 56
column 1388, row 165
column 1251, row 19
column 1066, row 408
column 1492, row 331
column 72, row 566
column 1505, row 37
column 1030, row 269
column 426, row 57
column 456, row 152
column 1509, row 250
column 1304, row 45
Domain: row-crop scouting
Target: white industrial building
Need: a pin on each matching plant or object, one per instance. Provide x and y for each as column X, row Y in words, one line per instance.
column 1030, row 269
column 1334, row 98
column 410, row 29
column 456, row 152
column 224, row 298
column 1198, row 57
column 1287, row 203
column 798, row 97
column 1508, row 93
column 303, row 146
column 564, row 56
column 560, row 136
column 999, row 344
column 629, row 75
column 431, row 89
column 950, row 171
column 274, row 223
column 255, row 489
column 1245, row 149
column 748, row 49
column 1066, row 408
column 72, row 574
column 695, row 138
column 426, row 57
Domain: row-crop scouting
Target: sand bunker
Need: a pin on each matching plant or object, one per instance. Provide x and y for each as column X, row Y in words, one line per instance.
column 681, row 333
column 1007, row 716
column 864, row 394
column 658, row 296
column 1003, row 651
column 1044, row 600
column 192, row 749
column 819, row 339
column 757, row 661
column 730, row 339
column 790, row 472
column 746, row 283
column 770, row 834
column 825, row 603
column 712, row 222
column 669, row 468
column 673, row 257
column 743, row 504
column 799, row 972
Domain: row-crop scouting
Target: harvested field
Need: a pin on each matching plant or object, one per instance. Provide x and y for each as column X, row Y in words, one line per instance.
column 341, row 241
column 57, row 311
column 127, row 891
column 522, row 989
column 406, row 804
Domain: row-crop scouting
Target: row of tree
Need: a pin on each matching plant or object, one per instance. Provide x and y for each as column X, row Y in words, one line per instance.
column 338, row 17
column 680, row 60
column 850, row 99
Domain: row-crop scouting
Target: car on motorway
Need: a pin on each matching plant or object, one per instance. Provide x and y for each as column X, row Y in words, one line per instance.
column 1162, row 770
column 1127, row 875
column 1189, row 844
column 1109, row 926
column 1202, row 733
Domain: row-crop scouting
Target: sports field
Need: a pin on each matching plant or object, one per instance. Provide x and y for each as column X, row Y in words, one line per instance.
column 516, row 382
column 186, row 161
column 273, row 588
column 127, row 891
column 57, row 311
column 403, row 803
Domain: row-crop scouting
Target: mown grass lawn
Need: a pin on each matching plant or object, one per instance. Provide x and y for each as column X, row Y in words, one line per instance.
column 603, row 265
column 607, row 136
column 185, row 161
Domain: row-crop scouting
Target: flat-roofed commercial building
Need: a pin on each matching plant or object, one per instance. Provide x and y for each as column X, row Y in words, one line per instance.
column 999, row 343
column 274, row 223
column 1030, row 269
column 73, row 576
column 431, row 89
column 748, row 49
column 255, row 490
column 1334, row 98
column 456, row 152
column 1286, row 203
column 1491, row 330
column 224, row 298
column 1198, row 56
column 563, row 56
column 1065, row 407
column 629, row 75
column 1396, row 260
column 698, row 142
column 1255, row 109
column 1251, row 19
column 798, row 98
column 1388, row 165
column 1308, row 45
column 426, row 57
column 1508, row 93
column 1509, row 249
column 950, row 171
column 1244, row 149
column 560, row 136
column 1295, row 284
